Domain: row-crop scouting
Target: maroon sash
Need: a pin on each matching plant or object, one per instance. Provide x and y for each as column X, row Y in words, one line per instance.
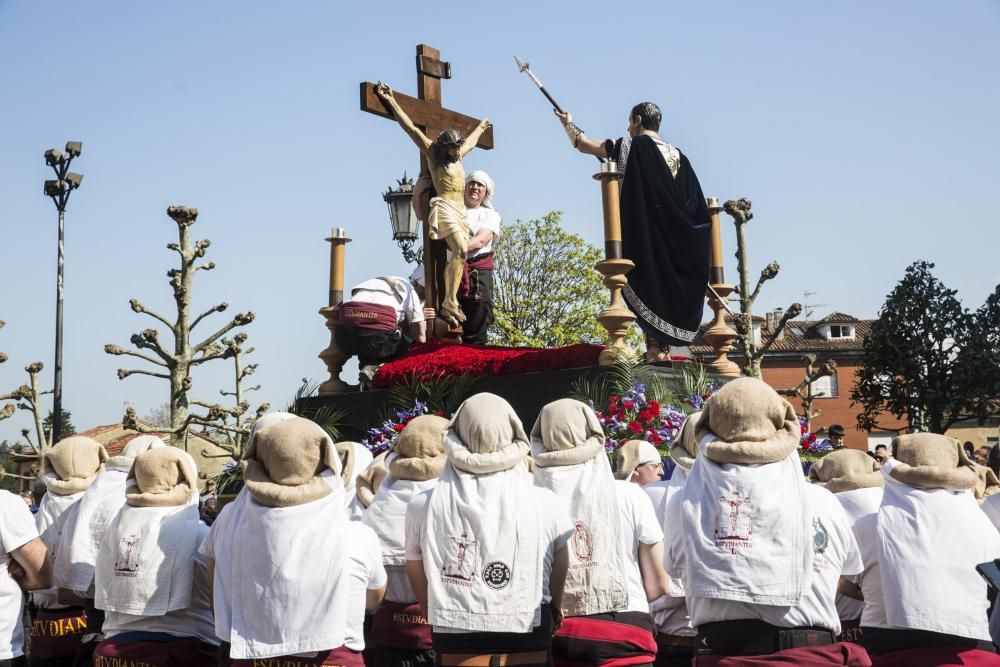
column 841, row 653
column 484, row 262
column 401, row 625
column 606, row 640
column 56, row 633
column 189, row 651
column 337, row 657
column 372, row 316
column 936, row 657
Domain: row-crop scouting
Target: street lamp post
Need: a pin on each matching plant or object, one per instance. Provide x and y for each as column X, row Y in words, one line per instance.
column 59, row 190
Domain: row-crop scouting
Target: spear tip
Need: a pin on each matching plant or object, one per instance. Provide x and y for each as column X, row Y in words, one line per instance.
column 521, row 65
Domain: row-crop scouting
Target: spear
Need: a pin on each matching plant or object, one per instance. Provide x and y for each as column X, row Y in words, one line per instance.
column 526, row 69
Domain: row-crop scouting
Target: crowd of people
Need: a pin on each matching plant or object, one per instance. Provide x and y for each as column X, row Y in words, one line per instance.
column 474, row 542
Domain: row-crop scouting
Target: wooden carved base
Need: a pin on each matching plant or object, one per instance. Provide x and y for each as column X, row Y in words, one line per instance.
column 719, row 335
column 616, row 318
column 332, row 357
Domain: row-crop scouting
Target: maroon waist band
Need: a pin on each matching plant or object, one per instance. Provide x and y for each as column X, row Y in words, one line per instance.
column 372, row 316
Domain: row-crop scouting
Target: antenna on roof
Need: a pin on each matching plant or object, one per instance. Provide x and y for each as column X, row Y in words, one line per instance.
column 808, row 307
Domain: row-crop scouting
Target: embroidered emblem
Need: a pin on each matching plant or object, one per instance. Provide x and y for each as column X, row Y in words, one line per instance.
column 462, row 561
column 496, row 575
column 733, row 529
column 583, row 542
column 821, row 538
column 127, row 562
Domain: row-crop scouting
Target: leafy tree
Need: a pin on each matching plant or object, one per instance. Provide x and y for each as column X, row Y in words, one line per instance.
column 547, row 292
column 981, row 360
column 917, row 362
column 66, row 423
column 158, row 416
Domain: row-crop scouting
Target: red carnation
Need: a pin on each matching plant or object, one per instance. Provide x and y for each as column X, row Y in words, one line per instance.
column 613, row 401
column 654, row 407
column 399, row 427
column 635, row 427
column 629, row 405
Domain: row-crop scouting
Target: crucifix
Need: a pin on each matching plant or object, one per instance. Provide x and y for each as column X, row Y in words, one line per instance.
column 431, row 118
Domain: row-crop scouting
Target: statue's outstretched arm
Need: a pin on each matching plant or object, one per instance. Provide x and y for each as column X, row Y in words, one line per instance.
column 419, row 138
column 473, row 138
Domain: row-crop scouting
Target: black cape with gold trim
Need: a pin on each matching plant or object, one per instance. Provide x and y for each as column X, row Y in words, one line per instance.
column 666, row 229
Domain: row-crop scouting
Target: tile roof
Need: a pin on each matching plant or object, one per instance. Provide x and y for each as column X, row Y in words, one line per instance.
column 838, row 318
column 804, row 336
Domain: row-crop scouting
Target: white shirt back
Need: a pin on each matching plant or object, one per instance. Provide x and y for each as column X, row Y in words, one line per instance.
column 835, row 552
column 379, row 292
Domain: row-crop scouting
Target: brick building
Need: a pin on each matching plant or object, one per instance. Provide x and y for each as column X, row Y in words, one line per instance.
column 838, row 337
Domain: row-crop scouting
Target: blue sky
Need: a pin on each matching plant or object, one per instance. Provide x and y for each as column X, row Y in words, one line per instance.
column 865, row 133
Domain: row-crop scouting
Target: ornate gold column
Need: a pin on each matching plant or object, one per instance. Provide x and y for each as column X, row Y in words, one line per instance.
column 719, row 335
column 332, row 356
column 616, row 318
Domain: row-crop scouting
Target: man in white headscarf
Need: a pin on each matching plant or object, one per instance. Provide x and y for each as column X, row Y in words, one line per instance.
column 486, row 549
column 484, row 223
column 292, row 576
column 84, row 528
column 925, row 604
column 639, row 463
column 760, row 551
column 616, row 553
column 149, row 579
column 400, row 631
column 675, row 638
column 69, row 468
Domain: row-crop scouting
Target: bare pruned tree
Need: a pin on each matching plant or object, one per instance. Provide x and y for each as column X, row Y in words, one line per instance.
column 175, row 362
column 741, row 212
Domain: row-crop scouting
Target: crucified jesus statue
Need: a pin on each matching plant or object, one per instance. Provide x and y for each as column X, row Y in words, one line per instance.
column 448, row 217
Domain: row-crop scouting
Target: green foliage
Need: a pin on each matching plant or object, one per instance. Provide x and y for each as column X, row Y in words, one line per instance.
column 329, row 419
column 547, row 292
column 980, row 362
column 442, row 395
column 624, row 374
column 66, row 423
column 924, row 357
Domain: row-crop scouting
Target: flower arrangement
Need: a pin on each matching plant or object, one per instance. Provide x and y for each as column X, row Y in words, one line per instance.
column 811, row 449
column 633, row 402
column 383, row 437
column 635, row 416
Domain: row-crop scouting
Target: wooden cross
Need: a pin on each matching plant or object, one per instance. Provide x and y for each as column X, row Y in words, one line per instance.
column 432, row 118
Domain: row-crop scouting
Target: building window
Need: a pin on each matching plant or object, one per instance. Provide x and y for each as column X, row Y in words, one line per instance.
column 826, row 385
column 841, row 331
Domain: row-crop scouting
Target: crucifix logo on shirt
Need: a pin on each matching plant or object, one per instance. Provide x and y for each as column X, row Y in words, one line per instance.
column 462, row 559
column 127, row 563
column 733, row 529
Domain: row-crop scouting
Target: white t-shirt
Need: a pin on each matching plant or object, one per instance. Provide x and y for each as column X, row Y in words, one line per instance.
column 670, row 614
column 17, row 528
column 363, row 555
column 835, row 552
column 556, row 529
column 484, row 218
column 639, row 525
column 194, row 621
column 379, row 292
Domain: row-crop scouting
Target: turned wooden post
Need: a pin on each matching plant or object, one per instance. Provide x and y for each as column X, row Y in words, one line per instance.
column 332, row 356
column 616, row 318
column 719, row 335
